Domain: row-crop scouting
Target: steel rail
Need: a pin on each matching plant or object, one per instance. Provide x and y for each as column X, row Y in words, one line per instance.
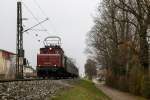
column 34, row 79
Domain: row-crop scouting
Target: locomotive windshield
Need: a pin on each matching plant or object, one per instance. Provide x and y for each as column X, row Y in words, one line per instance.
column 52, row 41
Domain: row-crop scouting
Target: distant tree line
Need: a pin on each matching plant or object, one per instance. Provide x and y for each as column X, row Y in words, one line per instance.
column 118, row 42
column 90, row 69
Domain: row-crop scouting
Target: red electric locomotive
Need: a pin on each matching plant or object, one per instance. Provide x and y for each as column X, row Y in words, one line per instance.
column 51, row 61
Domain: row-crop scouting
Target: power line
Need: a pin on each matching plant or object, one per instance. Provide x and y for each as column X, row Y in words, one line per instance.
column 33, row 15
column 35, row 25
column 36, row 19
column 38, row 5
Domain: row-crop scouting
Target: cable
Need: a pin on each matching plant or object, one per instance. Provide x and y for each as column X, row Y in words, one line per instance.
column 44, row 14
column 40, row 7
column 33, row 15
column 35, row 25
column 28, row 9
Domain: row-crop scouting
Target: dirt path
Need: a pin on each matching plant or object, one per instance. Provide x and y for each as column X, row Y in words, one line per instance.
column 117, row 95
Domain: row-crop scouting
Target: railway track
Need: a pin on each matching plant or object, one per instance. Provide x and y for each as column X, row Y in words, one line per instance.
column 34, row 79
column 14, row 80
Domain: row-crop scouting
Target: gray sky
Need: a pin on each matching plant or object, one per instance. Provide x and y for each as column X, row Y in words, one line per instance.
column 69, row 19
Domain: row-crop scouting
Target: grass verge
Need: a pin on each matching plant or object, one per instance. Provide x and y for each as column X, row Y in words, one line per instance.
column 82, row 90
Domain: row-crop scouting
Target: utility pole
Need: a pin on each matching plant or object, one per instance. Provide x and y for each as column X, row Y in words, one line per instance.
column 19, row 43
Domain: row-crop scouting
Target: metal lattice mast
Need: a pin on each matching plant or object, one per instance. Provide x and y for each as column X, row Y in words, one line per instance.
column 19, row 44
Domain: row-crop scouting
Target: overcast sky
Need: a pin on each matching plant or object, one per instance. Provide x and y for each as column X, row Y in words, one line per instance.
column 69, row 19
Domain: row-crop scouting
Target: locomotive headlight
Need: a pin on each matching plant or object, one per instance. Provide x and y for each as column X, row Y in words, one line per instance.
column 54, row 65
column 50, row 48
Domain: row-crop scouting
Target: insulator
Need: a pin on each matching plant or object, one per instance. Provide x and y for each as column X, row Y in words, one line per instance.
column 36, row 34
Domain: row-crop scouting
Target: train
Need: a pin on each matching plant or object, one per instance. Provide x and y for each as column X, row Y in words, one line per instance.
column 52, row 62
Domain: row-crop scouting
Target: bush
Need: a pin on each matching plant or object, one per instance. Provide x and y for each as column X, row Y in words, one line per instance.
column 145, row 87
column 135, row 77
column 123, row 84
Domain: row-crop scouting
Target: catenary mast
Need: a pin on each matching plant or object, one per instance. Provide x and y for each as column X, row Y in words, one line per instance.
column 19, row 44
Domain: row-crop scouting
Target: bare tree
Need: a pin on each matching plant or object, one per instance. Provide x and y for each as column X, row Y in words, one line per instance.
column 140, row 10
column 118, row 40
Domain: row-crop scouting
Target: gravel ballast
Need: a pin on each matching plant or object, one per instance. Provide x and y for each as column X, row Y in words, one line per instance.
column 32, row 90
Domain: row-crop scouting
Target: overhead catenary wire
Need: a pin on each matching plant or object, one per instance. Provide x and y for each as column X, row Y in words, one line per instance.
column 36, row 19
column 35, row 25
column 43, row 12
column 40, row 7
